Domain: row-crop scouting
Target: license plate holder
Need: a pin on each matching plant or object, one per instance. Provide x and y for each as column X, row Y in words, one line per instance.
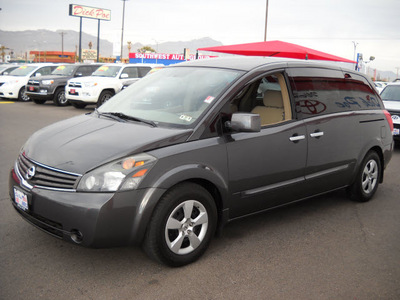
column 396, row 131
column 21, row 199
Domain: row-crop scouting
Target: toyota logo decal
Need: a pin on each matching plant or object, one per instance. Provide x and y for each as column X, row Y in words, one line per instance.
column 30, row 172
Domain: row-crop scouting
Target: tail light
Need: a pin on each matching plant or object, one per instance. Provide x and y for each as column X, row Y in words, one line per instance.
column 389, row 119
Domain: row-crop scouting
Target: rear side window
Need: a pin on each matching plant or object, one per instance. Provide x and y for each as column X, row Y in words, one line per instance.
column 85, row 70
column 131, row 71
column 143, row 71
column 324, row 91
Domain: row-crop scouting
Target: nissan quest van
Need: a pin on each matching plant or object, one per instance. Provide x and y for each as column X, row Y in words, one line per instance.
column 174, row 157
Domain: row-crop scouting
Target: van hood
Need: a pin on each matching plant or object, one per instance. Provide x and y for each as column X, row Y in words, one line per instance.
column 85, row 142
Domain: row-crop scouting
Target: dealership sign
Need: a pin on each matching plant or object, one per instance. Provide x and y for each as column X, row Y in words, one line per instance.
column 89, row 12
column 166, row 56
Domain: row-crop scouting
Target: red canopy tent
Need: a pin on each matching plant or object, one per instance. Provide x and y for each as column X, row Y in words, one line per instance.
column 276, row 49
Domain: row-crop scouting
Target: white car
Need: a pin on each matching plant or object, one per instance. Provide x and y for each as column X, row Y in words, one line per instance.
column 380, row 85
column 13, row 85
column 104, row 83
column 391, row 99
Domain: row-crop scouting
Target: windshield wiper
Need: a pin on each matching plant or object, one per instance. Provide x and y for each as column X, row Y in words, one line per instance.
column 121, row 117
column 109, row 115
column 131, row 118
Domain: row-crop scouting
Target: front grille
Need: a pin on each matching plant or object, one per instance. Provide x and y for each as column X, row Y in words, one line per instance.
column 75, row 84
column 46, row 177
column 33, row 82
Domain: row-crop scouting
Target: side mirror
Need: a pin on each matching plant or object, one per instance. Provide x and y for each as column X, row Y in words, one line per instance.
column 38, row 74
column 244, row 122
column 78, row 75
column 124, row 75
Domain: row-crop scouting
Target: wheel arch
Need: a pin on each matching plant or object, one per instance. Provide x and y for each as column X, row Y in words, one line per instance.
column 204, row 177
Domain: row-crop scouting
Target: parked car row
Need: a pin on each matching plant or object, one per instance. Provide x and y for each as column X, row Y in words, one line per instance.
column 76, row 84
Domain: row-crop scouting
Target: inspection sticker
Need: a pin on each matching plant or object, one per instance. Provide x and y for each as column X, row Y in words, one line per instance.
column 209, row 99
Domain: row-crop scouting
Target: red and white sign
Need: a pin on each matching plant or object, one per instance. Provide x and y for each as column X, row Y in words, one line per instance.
column 89, row 12
column 166, row 56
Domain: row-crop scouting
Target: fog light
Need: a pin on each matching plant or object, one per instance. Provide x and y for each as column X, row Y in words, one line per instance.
column 76, row 236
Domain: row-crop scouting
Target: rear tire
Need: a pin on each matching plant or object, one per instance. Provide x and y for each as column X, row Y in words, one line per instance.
column 368, row 178
column 182, row 225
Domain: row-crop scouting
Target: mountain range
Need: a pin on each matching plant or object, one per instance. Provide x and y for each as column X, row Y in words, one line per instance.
column 22, row 41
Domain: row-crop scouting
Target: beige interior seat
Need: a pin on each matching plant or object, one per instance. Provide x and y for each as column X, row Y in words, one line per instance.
column 273, row 110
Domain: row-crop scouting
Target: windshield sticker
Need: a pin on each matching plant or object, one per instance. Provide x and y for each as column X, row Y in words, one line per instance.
column 186, row 118
column 209, row 99
column 103, row 68
column 61, row 68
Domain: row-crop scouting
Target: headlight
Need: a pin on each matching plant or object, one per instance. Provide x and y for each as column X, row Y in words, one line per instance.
column 47, row 82
column 123, row 174
column 11, row 82
column 90, row 84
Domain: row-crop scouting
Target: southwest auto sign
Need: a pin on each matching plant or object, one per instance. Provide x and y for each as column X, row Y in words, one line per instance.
column 89, row 12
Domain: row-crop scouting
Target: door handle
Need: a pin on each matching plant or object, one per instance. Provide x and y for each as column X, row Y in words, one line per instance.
column 296, row 138
column 317, row 134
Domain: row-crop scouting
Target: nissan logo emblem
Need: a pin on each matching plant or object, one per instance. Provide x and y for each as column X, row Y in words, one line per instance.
column 30, row 172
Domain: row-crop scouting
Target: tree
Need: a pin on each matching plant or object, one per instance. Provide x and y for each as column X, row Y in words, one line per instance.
column 146, row 49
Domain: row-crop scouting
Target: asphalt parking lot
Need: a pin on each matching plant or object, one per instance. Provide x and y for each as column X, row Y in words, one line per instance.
column 324, row 248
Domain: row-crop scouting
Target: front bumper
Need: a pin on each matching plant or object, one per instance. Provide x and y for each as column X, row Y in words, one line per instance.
column 85, row 95
column 89, row 219
column 9, row 92
column 39, row 92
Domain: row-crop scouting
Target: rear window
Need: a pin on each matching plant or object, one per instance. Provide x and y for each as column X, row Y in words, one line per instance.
column 324, row 91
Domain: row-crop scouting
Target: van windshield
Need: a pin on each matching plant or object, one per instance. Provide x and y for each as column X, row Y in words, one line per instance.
column 174, row 96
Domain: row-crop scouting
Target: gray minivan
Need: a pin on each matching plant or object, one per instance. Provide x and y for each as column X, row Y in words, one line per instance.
column 174, row 157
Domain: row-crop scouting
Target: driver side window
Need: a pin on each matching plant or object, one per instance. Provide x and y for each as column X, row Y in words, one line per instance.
column 268, row 97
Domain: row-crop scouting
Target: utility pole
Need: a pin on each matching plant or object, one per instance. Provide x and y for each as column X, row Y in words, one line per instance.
column 266, row 21
column 62, row 33
column 122, row 34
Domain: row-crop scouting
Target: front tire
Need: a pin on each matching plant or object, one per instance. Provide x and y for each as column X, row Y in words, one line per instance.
column 22, row 96
column 368, row 178
column 59, row 97
column 104, row 97
column 182, row 225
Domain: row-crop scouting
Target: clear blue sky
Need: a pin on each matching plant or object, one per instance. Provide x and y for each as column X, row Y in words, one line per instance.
column 326, row 25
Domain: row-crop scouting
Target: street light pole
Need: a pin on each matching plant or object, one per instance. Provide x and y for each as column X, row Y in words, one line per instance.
column 355, row 47
column 62, row 33
column 266, row 21
column 122, row 33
